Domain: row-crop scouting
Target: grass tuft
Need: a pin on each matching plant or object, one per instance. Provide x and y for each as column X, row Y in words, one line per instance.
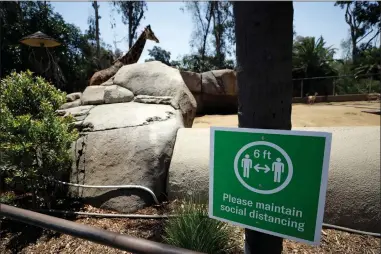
column 194, row 230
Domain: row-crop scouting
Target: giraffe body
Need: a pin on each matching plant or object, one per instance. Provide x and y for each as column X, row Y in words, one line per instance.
column 131, row 57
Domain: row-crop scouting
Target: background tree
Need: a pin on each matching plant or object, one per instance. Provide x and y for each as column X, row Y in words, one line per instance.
column 159, row 54
column 369, row 62
column 264, row 37
column 97, row 33
column 363, row 65
column 202, row 15
column 222, row 16
column 99, row 54
column 213, row 35
column 363, row 18
column 132, row 13
column 74, row 57
column 312, row 57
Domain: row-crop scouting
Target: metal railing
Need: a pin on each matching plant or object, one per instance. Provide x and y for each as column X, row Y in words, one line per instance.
column 115, row 240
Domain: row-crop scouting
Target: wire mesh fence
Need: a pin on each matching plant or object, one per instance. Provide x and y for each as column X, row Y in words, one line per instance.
column 337, row 85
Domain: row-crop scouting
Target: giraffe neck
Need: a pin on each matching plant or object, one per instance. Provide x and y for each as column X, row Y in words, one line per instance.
column 133, row 55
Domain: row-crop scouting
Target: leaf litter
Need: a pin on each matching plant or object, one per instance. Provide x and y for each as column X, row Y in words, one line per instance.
column 332, row 242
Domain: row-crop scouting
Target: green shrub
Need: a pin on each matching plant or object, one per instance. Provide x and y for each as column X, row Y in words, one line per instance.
column 194, row 230
column 7, row 198
column 34, row 141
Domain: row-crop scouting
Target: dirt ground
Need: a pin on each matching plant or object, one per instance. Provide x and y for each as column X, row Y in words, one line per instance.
column 16, row 237
column 317, row 115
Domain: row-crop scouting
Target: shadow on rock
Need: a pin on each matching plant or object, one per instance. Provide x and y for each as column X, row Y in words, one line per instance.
column 122, row 200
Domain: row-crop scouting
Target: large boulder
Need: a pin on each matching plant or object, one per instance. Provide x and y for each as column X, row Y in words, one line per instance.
column 73, row 96
column 219, row 82
column 71, row 104
column 129, row 143
column 116, row 94
column 219, row 91
column 215, row 91
column 353, row 192
column 193, row 82
column 127, row 134
column 157, row 79
column 93, row 95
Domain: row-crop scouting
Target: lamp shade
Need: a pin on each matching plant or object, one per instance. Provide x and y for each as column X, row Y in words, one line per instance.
column 40, row 39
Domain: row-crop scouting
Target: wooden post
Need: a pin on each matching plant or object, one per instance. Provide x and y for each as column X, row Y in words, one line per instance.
column 264, row 36
column 301, row 89
column 370, row 84
column 333, row 90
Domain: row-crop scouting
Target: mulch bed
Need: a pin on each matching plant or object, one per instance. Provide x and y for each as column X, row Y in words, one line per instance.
column 16, row 237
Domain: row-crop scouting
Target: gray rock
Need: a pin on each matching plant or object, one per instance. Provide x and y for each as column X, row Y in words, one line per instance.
column 79, row 113
column 71, row 104
column 109, row 82
column 200, row 103
column 93, row 95
column 132, row 114
column 138, row 155
column 192, row 80
column 353, row 192
column 73, row 96
column 76, row 112
column 189, row 170
column 116, row 94
column 210, row 84
column 219, row 82
column 228, row 79
column 219, row 92
column 219, row 104
column 167, row 100
column 157, row 79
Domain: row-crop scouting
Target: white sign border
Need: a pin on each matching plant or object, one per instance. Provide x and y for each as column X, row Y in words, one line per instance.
column 323, row 183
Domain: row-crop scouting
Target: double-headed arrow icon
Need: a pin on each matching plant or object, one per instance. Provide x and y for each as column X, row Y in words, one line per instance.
column 257, row 168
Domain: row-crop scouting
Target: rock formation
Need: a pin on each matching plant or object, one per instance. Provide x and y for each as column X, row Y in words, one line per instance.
column 215, row 91
column 128, row 130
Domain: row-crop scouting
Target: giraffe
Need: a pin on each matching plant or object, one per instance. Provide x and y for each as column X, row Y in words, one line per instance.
column 132, row 56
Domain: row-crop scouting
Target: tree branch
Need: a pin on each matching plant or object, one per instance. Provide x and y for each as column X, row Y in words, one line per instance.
column 364, row 36
column 367, row 45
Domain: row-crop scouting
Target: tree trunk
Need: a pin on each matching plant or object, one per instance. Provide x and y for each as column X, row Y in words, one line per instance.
column 264, row 36
column 208, row 18
column 354, row 46
column 95, row 4
column 217, row 30
column 130, row 20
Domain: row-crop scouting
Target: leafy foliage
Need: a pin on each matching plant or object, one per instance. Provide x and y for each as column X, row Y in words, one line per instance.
column 194, row 230
column 7, row 198
column 312, row 57
column 369, row 63
column 193, row 62
column 363, row 19
column 159, row 54
column 213, row 36
column 74, row 57
column 35, row 142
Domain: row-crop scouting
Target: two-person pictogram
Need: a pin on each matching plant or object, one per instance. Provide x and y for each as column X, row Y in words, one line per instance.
column 277, row 167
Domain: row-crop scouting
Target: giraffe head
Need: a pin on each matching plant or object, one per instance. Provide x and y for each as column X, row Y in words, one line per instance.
column 150, row 35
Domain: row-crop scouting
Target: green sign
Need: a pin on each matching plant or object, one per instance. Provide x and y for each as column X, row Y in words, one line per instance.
column 272, row 181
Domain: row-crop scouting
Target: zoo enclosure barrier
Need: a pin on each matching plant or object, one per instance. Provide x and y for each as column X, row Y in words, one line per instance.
column 104, row 237
column 337, row 85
